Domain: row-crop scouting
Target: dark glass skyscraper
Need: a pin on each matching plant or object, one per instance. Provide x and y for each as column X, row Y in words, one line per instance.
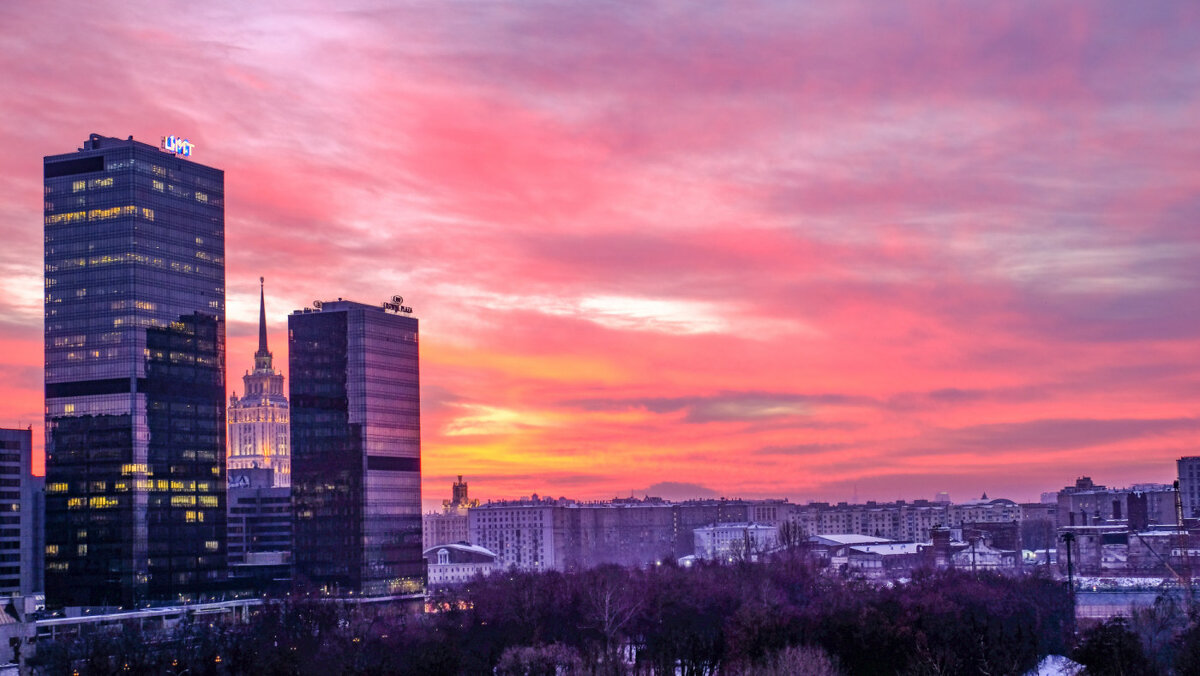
column 135, row 375
column 356, row 449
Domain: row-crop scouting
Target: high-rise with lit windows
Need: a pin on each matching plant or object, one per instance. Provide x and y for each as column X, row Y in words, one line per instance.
column 258, row 420
column 356, row 449
column 135, row 374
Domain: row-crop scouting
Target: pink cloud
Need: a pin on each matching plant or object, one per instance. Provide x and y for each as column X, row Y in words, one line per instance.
column 897, row 243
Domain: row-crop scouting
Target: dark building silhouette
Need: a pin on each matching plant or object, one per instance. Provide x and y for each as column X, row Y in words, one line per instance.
column 135, row 375
column 21, row 530
column 356, row 449
column 260, row 532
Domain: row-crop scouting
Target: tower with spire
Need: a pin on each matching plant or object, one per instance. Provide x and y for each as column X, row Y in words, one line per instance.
column 259, row 436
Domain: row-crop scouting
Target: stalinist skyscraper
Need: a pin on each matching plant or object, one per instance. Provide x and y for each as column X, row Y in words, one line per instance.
column 258, row 421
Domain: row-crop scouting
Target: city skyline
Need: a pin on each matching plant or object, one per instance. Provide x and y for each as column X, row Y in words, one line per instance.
column 755, row 252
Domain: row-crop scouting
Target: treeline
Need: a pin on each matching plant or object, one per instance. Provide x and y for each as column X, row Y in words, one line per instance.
column 778, row 617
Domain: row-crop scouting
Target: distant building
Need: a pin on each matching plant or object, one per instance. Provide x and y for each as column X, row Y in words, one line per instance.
column 980, row 555
column 456, row 563
column 21, row 530
column 356, row 449
column 900, row 520
column 1189, row 485
column 1089, row 504
column 546, row 534
column 879, row 561
column 259, row 432
column 449, row 525
column 530, row 534
column 735, row 541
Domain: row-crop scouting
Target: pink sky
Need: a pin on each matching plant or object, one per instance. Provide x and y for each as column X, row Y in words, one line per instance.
column 806, row 250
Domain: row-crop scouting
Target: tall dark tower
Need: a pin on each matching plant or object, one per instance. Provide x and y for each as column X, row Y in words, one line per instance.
column 258, row 420
column 135, row 374
column 356, row 449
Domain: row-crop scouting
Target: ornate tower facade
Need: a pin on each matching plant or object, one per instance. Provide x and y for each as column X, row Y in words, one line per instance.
column 259, row 434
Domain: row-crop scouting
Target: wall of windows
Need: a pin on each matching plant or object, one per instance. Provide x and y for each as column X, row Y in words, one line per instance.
column 134, row 348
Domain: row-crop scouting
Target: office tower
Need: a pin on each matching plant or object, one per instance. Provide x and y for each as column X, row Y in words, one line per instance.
column 135, row 375
column 260, row 517
column 20, row 518
column 356, row 449
column 258, row 420
column 260, row 532
column 1189, row 485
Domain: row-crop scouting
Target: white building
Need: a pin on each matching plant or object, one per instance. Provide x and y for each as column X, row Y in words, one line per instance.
column 453, row 564
column 734, row 540
column 259, row 432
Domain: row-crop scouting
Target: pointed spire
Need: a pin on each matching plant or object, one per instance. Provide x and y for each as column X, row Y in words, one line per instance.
column 262, row 358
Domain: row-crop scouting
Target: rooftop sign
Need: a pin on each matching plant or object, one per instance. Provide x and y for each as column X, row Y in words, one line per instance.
column 397, row 305
column 178, row 145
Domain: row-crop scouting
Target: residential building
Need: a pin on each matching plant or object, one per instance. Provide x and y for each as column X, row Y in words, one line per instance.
column 547, row 534
column 135, row 375
column 259, row 432
column 356, row 449
column 21, row 533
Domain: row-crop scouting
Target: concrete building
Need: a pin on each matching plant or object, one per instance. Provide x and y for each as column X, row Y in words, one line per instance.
column 21, row 530
column 450, row 524
column 735, row 541
column 135, row 374
column 457, row 563
column 1087, row 503
column 1189, row 485
column 356, row 449
column 259, row 429
column 528, row 534
column 545, row 534
column 882, row 561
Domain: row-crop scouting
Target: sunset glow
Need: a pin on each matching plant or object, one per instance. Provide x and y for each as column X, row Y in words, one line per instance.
column 767, row 249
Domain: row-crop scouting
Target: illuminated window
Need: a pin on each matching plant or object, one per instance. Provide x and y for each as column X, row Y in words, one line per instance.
column 51, row 550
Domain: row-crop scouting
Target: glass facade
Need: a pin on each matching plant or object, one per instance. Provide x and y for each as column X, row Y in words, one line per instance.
column 356, row 450
column 135, row 375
